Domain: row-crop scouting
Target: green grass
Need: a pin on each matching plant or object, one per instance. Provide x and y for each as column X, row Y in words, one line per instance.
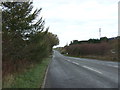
column 32, row 78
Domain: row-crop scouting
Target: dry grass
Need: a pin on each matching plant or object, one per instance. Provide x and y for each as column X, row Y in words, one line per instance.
column 30, row 78
column 105, row 58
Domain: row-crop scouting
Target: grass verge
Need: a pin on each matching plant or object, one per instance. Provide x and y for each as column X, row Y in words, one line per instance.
column 31, row 78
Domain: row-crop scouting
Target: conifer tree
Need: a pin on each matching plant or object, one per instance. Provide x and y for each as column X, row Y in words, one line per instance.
column 19, row 22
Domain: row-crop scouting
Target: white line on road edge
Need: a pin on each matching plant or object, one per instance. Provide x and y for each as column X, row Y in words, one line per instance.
column 92, row 69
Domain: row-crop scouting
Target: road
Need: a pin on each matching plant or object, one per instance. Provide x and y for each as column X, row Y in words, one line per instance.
column 70, row 72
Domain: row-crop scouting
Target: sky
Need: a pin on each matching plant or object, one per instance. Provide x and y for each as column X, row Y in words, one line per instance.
column 79, row 19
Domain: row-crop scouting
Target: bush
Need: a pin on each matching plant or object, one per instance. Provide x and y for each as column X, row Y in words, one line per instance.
column 88, row 49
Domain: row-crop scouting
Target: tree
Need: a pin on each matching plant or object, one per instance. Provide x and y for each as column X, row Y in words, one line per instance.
column 18, row 23
column 52, row 40
column 94, row 41
column 24, row 37
column 104, row 39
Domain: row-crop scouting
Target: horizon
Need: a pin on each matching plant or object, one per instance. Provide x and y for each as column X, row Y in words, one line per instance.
column 84, row 40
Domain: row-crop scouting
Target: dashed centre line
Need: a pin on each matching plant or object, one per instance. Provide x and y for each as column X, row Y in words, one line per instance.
column 85, row 67
column 68, row 60
column 72, row 62
column 92, row 69
column 75, row 63
column 115, row 66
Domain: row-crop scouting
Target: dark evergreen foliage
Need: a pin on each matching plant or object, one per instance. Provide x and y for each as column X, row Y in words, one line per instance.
column 24, row 36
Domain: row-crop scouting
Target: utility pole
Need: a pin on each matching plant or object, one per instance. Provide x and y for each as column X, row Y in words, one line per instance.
column 99, row 32
column 119, row 18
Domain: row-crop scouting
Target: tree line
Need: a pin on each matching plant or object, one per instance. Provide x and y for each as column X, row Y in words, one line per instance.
column 103, row 47
column 102, row 39
column 25, row 39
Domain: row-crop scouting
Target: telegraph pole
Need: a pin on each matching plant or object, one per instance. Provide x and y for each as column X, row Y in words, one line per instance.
column 119, row 18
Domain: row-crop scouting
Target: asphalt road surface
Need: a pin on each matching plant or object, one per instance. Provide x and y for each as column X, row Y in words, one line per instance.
column 70, row 72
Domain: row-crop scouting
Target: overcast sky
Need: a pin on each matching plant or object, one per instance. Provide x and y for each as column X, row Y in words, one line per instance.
column 80, row 19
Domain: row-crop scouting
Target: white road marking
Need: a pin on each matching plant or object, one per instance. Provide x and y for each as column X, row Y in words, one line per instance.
column 53, row 56
column 72, row 62
column 75, row 63
column 68, row 60
column 115, row 66
column 92, row 69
